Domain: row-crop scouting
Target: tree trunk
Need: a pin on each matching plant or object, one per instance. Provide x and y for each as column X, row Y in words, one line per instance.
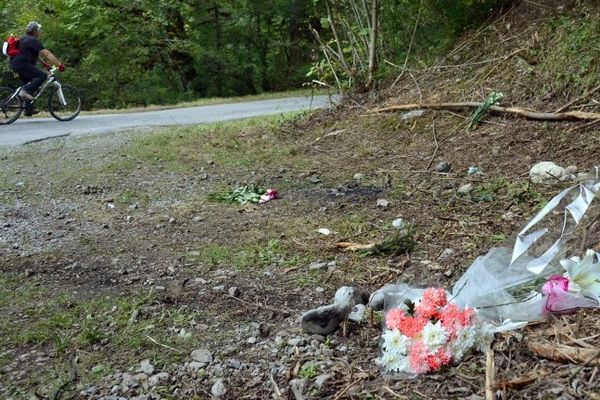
column 373, row 41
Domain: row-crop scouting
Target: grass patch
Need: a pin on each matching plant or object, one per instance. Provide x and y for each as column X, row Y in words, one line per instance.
column 248, row 143
column 255, row 256
column 103, row 331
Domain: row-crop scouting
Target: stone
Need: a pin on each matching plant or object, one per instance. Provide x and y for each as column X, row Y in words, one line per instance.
column 321, row 379
column 358, row 176
column 383, row 203
column 572, row 169
column 158, row 378
column 298, row 388
column 234, row 291
column 129, row 381
column 325, row 319
column 443, row 167
column 202, row 356
column 146, row 367
column 219, row 288
column 446, row 254
column 195, row 365
column 465, row 189
column 317, row 265
column 548, row 173
column 358, row 313
column 251, row 340
column 296, row 342
column 218, row 389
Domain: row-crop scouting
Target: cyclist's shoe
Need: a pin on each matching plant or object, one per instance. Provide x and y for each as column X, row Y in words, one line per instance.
column 25, row 95
column 29, row 113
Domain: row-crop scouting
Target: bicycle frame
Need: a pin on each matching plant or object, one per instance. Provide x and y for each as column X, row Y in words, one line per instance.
column 51, row 80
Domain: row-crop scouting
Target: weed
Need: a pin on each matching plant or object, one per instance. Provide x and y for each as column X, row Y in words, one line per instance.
column 308, row 371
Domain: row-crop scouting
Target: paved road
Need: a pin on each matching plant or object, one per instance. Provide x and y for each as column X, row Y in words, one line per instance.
column 27, row 130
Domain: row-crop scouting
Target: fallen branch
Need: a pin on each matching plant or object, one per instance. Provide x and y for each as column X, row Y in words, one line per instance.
column 577, row 100
column 562, row 353
column 529, row 114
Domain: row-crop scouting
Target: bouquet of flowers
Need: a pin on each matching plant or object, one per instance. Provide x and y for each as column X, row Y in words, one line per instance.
column 425, row 336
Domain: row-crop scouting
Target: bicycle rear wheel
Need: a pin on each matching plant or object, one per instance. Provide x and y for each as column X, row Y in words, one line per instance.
column 10, row 108
column 70, row 108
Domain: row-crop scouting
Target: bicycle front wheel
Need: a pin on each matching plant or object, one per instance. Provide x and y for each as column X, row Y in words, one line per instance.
column 64, row 103
column 10, row 106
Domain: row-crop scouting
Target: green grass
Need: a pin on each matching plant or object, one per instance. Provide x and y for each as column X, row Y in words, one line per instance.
column 571, row 59
column 246, row 256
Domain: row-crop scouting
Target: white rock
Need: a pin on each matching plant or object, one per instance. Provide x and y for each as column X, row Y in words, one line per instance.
column 383, row 203
column 465, row 189
column 548, row 173
column 324, row 231
column 344, row 295
column 202, row 356
column 218, row 389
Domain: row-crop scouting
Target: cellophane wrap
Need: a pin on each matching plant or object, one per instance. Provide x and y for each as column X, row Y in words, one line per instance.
column 505, row 284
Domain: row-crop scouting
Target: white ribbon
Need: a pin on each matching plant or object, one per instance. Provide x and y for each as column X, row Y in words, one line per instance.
column 575, row 210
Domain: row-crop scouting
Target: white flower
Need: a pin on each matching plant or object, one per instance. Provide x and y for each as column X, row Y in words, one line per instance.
column 394, row 342
column 395, row 362
column 465, row 340
column 584, row 275
column 434, row 335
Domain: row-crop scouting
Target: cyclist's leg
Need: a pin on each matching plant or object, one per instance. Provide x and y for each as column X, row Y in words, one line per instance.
column 34, row 75
column 31, row 78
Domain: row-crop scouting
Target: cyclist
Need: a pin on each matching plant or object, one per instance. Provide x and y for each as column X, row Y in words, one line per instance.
column 24, row 64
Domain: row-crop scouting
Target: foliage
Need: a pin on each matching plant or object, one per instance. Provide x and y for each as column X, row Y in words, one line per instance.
column 242, row 195
column 417, row 28
column 142, row 52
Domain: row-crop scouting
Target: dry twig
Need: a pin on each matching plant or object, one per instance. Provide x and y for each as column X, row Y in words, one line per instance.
column 529, row 114
column 562, row 353
column 490, row 372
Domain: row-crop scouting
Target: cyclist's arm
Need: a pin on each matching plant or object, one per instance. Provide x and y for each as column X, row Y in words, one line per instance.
column 48, row 56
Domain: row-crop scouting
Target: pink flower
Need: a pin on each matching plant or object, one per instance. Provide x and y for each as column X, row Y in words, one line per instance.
column 394, row 318
column 438, row 359
column 435, row 297
column 454, row 319
column 412, row 326
column 556, row 284
column 269, row 195
column 417, row 357
column 272, row 193
column 555, row 288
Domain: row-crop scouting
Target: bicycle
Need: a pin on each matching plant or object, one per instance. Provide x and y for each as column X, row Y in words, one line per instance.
column 64, row 102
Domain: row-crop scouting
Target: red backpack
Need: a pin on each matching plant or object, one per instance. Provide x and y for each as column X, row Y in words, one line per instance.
column 10, row 48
